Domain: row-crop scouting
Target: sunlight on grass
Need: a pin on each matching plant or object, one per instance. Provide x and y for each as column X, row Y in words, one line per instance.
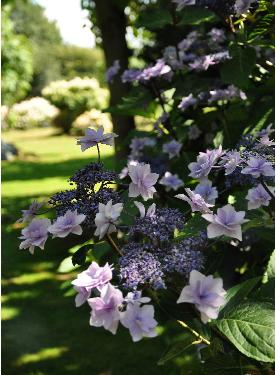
column 62, row 147
column 25, row 294
column 33, row 187
column 29, row 278
column 8, row 313
column 42, row 355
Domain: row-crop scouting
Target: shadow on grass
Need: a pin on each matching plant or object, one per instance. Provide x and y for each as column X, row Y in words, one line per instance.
column 30, row 170
column 43, row 333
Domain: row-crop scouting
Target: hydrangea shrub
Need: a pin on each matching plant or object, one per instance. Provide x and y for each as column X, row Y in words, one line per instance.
column 189, row 221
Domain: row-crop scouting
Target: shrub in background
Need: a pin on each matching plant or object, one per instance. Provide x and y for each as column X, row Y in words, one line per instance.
column 88, row 118
column 73, row 98
column 30, row 113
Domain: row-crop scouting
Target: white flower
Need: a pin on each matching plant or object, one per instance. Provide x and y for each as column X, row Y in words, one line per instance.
column 196, row 201
column 106, row 218
column 142, row 209
column 93, row 137
column 206, row 292
column 226, row 222
column 68, row 223
column 142, row 181
column 258, row 197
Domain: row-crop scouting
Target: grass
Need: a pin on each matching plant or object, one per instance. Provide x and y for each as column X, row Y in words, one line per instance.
column 43, row 332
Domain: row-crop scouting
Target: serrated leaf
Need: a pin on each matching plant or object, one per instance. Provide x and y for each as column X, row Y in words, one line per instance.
column 237, row 293
column 242, row 63
column 250, row 328
column 270, row 270
column 260, row 124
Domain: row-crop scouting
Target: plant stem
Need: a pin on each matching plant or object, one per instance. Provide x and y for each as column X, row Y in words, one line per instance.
column 113, row 244
column 197, row 335
column 99, row 154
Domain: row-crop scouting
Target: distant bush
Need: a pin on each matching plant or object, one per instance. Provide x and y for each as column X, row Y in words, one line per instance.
column 73, row 98
column 93, row 118
column 29, row 113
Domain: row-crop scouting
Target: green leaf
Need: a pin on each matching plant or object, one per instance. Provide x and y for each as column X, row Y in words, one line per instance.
column 195, row 16
column 227, row 364
column 154, row 19
column 242, row 63
column 270, row 270
column 260, row 124
column 177, row 349
column 192, row 227
column 138, row 103
column 237, row 293
column 250, row 328
column 266, row 292
column 79, row 257
column 66, row 265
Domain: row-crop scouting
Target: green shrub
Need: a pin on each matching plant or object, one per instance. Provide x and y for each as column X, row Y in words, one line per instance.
column 73, row 98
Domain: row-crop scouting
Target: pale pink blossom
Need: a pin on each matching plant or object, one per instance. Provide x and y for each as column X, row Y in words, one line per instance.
column 35, row 234
column 206, row 293
column 30, row 213
column 226, row 222
column 94, row 277
column 196, row 201
column 140, row 321
column 105, row 309
column 93, row 137
column 68, row 223
column 142, row 181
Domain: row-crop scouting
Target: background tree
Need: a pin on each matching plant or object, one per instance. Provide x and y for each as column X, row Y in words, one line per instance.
column 109, row 24
column 44, row 36
column 53, row 59
column 17, row 62
column 82, row 62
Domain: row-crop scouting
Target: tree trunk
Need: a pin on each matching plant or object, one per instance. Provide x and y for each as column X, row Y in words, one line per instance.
column 112, row 23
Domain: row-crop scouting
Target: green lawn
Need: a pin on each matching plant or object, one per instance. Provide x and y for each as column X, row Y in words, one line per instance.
column 42, row 331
